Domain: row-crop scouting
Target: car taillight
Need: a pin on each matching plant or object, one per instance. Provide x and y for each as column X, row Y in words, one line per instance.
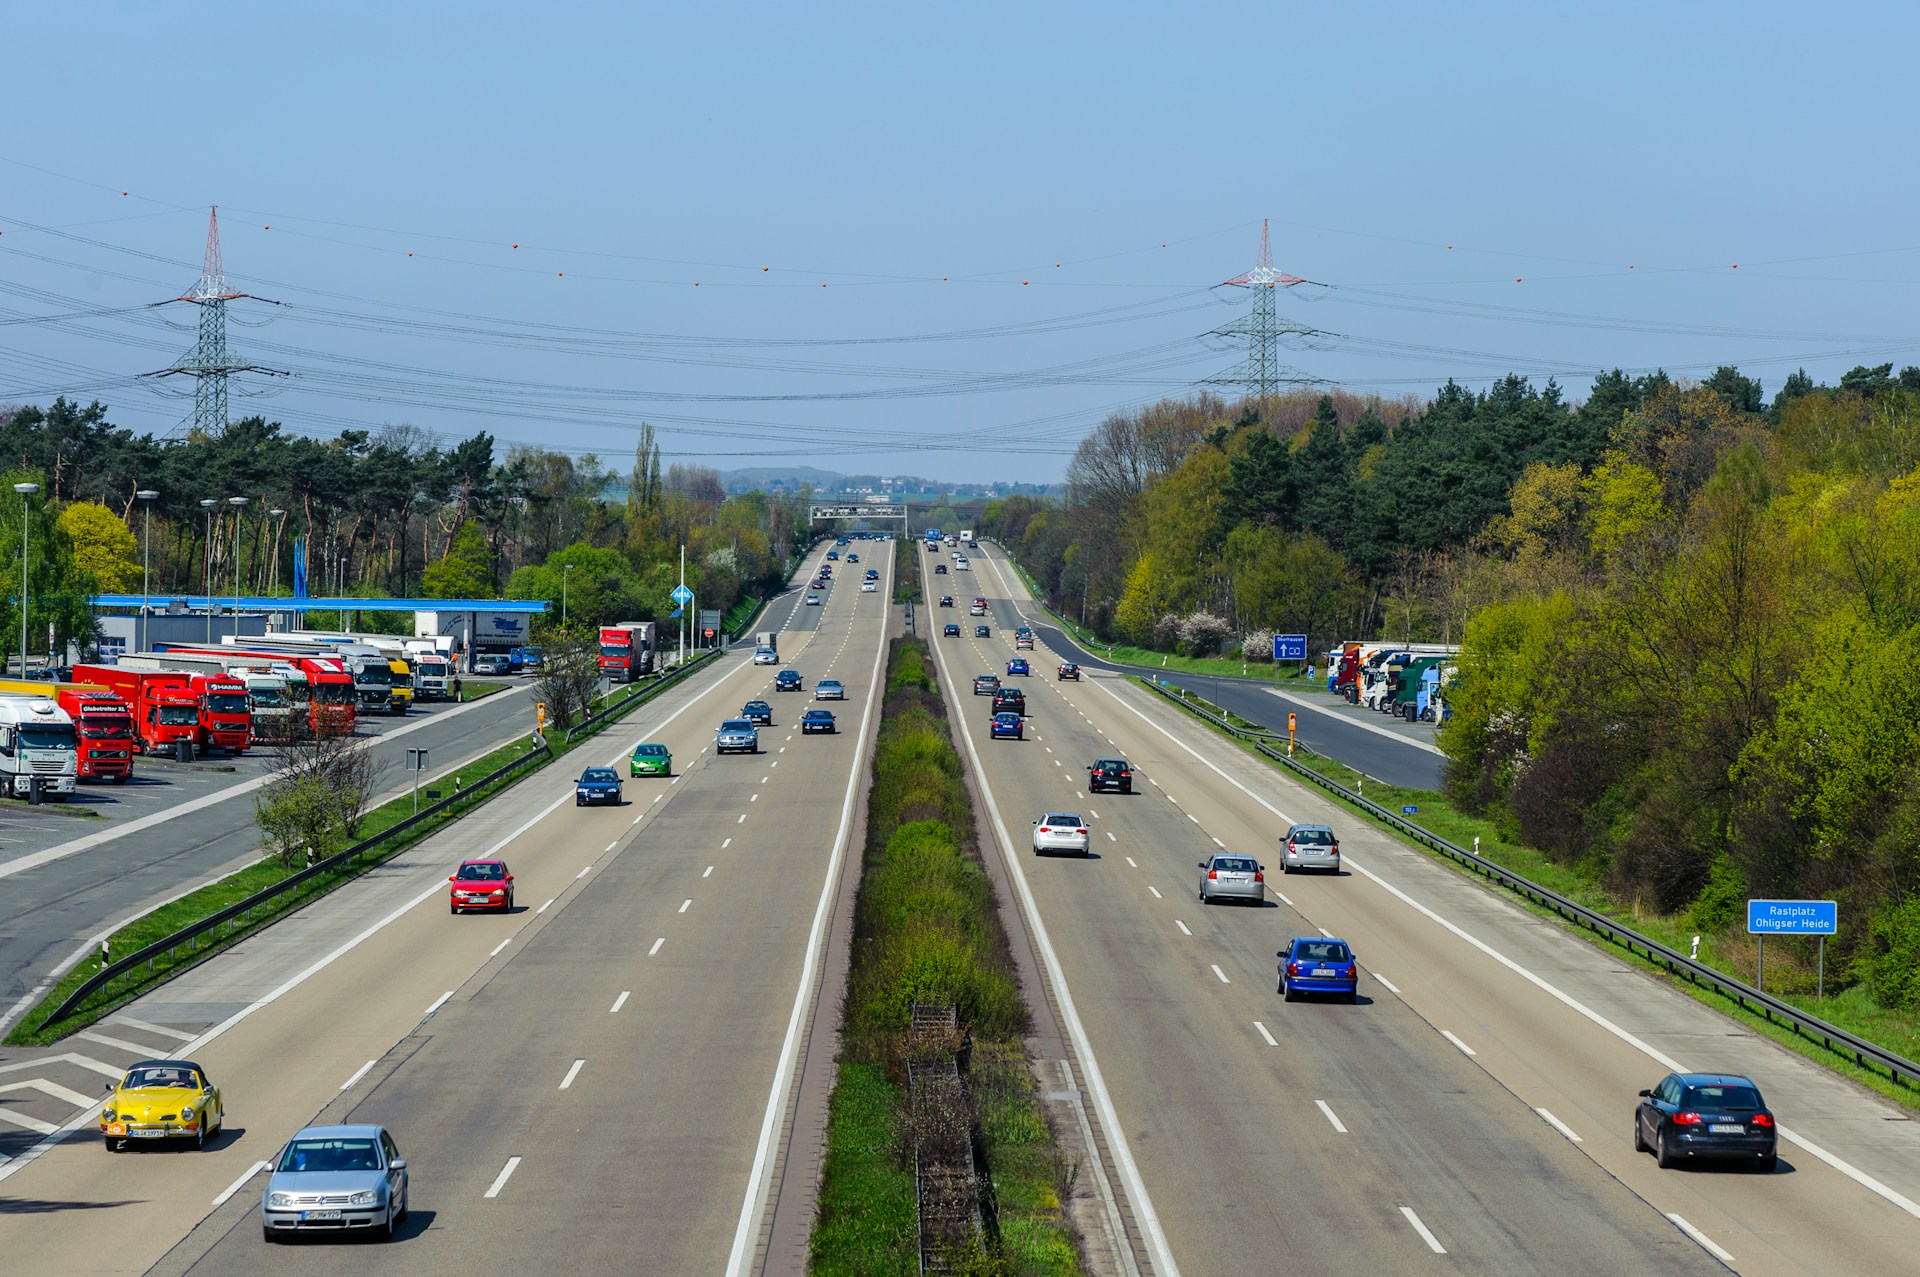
column 1762, row 1119
column 1124, row 775
column 1686, row 1119
column 1045, row 830
column 1352, row 972
column 1293, row 968
column 1213, row 873
column 1336, row 849
column 1259, row 877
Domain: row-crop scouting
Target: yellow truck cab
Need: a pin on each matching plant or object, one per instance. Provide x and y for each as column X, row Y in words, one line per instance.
column 402, row 684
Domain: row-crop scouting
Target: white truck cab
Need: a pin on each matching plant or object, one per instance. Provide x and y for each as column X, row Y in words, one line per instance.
column 37, row 742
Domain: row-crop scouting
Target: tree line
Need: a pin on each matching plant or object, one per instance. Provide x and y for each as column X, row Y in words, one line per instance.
column 383, row 513
column 1682, row 608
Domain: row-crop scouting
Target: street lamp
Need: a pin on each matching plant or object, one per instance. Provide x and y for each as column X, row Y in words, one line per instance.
column 25, row 490
column 564, row 569
column 238, row 504
column 146, row 497
column 207, row 581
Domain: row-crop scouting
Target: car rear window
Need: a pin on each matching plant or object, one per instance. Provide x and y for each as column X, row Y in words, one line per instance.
column 1321, row 951
column 1071, row 822
column 1322, row 837
column 1727, row 1097
column 1112, row 765
column 1235, row 864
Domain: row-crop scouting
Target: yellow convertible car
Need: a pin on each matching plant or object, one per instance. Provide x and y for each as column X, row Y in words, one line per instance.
column 162, row 1100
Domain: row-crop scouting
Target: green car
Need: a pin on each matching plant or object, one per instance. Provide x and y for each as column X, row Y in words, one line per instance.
column 651, row 760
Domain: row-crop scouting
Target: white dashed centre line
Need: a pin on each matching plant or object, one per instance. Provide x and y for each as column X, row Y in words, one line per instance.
column 1129, row 858
column 1222, row 846
column 742, row 820
column 710, row 867
column 497, row 948
column 1426, row 1234
column 620, row 1001
column 1263, row 1033
column 500, row 1180
column 543, row 908
column 685, row 905
column 357, row 1075
column 1091, row 812
column 1558, row 1125
column 1216, row 968
column 724, row 844
column 1323, row 931
column 656, row 946
column 1184, row 931
column 1289, row 903
column 636, row 819
column 1464, row 1048
column 572, row 1073
column 753, row 798
column 1385, row 983
column 1337, row 1125
column 1156, row 892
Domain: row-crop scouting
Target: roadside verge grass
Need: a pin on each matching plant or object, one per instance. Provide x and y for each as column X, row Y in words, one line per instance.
column 927, row 929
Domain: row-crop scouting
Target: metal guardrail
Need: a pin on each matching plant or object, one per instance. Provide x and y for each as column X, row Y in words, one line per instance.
column 192, row 933
column 1868, row 1055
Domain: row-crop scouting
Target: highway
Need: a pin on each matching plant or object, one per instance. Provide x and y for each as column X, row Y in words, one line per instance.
column 1477, row 1102
column 172, row 828
column 600, row 1075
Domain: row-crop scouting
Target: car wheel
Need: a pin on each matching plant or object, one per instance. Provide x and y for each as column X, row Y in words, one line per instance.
column 1660, row 1153
column 405, row 1203
column 1353, row 999
column 266, row 1235
column 579, row 802
column 1639, row 1140
column 385, row 1231
column 1769, row 1164
column 113, row 1145
column 1286, row 993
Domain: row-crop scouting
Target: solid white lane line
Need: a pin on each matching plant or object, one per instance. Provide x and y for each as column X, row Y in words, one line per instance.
column 1184, row 931
column 144, row 1027
column 241, row 1183
column 1323, row 931
column 1426, row 1234
column 500, row 1180
column 1706, row 1242
column 1129, row 858
column 685, row 905
column 543, row 908
column 725, row 843
column 620, row 1001
column 1156, row 892
column 1289, row 903
column 1195, row 819
column 572, row 1073
column 1263, row 1033
column 584, row 872
column 1464, row 1048
column 710, row 868
column 656, row 946
column 497, row 948
column 1558, row 1125
column 437, row 1004
column 1385, row 983
column 1216, row 967
column 1337, row 1124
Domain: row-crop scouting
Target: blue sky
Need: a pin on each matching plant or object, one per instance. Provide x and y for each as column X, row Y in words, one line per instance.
column 1596, row 170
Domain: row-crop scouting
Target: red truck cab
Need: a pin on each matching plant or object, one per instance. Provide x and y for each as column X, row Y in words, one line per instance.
column 102, row 721
column 331, row 696
column 166, row 713
column 226, row 720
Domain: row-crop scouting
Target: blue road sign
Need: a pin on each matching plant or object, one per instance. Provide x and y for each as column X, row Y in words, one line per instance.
column 681, row 595
column 1792, row 917
column 1408, row 811
column 1289, row 647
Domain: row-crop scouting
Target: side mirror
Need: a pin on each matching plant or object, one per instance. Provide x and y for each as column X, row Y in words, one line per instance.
column 451, row 878
column 1200, row 864
column 108, row 1089
column 399, row 1163
column 1033, row 822
column 1648, row 1094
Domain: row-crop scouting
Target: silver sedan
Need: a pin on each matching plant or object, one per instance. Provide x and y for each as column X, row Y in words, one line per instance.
column 1061, row 831
column 1224, row 876
column 337, row 1179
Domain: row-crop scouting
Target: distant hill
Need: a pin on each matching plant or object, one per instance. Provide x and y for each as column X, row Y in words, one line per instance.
column 778, row 478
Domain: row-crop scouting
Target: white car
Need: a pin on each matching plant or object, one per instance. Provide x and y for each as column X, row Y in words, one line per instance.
column 813, row 600
column 1061, row 831
column 829, row 689
column 867, row 587
column 961, row 565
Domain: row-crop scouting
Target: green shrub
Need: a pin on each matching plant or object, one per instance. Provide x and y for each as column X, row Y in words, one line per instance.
column 1721, row 901
column 1890, row 960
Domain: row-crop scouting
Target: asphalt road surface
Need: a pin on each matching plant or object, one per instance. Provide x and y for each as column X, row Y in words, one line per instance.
column 595, row 1078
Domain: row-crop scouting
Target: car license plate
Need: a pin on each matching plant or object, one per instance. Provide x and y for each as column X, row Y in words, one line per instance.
column 1727, row 1128
column 1323, row 971
column 319, row 1214
column 147, row 1135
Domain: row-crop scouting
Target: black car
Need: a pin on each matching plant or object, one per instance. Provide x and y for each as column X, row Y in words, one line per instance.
column 983, row 631
column 758, row 712
column 952, row 631
column 1706, row 1115
column 817, row 720
column 1110, row 773
column 787, row 681
column 939, row 569
column 1010, row 698
column 946, row 600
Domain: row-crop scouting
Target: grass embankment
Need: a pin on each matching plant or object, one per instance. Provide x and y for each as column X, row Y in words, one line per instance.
column 1792, row 971
column 926, row 929
column 262, row 874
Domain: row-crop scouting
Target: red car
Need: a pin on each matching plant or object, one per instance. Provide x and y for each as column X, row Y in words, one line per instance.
column 481, row 884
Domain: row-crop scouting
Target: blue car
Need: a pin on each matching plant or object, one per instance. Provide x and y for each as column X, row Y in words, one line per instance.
column 1018, row 665
column 1312, row 964
column 853, row 558
column 834, row 555
column 597, row 785
column 1007, row 726
column 787, row 681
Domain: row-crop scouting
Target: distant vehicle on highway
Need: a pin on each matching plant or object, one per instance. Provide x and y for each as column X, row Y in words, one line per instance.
column 946, row 600
column 853, row 558
column 952, row 631
column 787, row 681
column 818, row 720
column 335, row 1179
column 939, row 569
column 985, row 684
column 481, row 884
column 737, row 734
column 1229, row 877
column 813, row 600
column 1061, row 831
column 1011, row 698
column 650, row 759
column 1069, row 671
column 1018, row 665
column 1110, row 773
column 868, row 587
column 1007, row 725
column 833, row 554
column 1311, row 964
column 157, row 1100
column 1310, row 847
column 1706, row 1115
column 1023, row 642
column 597, row 785
column 983, row 631
column 829, row 689
column 759, row 712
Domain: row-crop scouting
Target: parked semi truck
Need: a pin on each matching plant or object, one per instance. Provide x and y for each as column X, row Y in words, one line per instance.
column 272, row 698
column 39, row 749
column 321, row 687
column 626, row 650
column 368, row 667
column 166, row 713
column 103, row 722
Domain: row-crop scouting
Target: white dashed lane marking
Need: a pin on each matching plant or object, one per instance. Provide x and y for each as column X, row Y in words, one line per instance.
column 620, row 1001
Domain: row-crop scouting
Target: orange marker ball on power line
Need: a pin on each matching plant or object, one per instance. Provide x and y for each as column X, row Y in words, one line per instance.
column 763, row 270
column 1516, row 279
column 1736, row 266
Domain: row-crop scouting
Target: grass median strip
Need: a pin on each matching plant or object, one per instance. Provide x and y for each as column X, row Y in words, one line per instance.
column 211, row 899
column 927, row 931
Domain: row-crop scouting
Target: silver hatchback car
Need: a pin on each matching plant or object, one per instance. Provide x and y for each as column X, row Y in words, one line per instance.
column 1310, row 847
column 1225, row 876
column 336, row 1179
column 1061, row 831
